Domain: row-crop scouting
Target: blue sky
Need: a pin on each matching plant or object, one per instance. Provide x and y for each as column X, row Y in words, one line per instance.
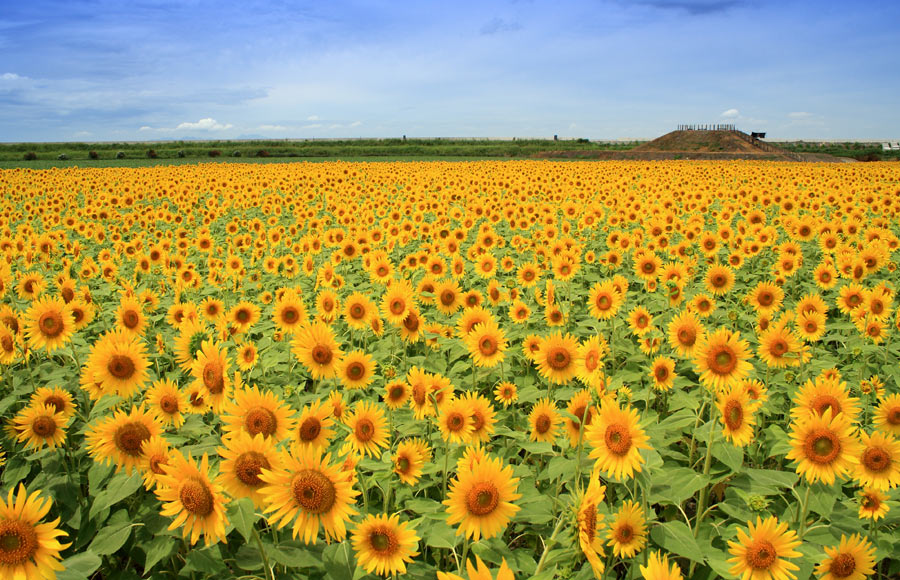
column 100, row 70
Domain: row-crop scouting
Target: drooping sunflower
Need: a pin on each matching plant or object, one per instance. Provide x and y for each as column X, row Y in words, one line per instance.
column 9, row 350
column 762, row 551
column 409, row 459
column 589, row 363
column 879, row 461
column 590, row 522
column 483, row 417
column 210, row 368
column 243, row 459
column 356, row 369
column 480, row 499
column 384, row 545
column 581, row 408
column 253, row 411
column 310, row 491
column 118, row 363
column 723, row 359
column 556, row 358
column 190, row 496
column 40, row 425
column 368, row 429
column 49, row 324
column 118, row 438
column 627, row 532
column 887, row 415
column 852, row 559
column 737, row 414
column 686, row 332
column 28, row 549
column 658, row 568
column 154, row 455
column 314, row 425
column 487, row 344
column 616, row 439
column 824, row 446
column 316, row 348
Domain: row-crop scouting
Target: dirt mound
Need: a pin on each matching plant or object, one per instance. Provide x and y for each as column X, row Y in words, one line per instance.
column 701, row 142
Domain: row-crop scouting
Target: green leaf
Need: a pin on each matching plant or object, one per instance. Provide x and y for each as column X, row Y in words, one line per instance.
column 296, row 556
column 208, row 561
column 728, row 454
column 560, row 466
column 440, row 535
column 242, row 514
column 111, row 538
column 337, row 563
column 79, row 566
column 157, row 549
column 119, row 487
column 248, row 558
column 675, row 537
column 677, row 484
column 772, row 478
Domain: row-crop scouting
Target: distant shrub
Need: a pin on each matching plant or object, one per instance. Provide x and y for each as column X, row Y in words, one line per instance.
column 180, row 153
column 214, row 152
column 582, row 140
column 868, row 157
column 262, row 153
column 93, row 155
column 236, row 154
column 30, row 156
column 152, row 154
column 62, row 157
column 120, row 155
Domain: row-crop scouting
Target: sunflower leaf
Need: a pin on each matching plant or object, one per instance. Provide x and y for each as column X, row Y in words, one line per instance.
column 79, row 566
column 676, row 537
column 243, row 516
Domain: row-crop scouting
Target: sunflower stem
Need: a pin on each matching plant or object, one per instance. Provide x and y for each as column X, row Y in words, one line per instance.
column 704, row 493
column 446, row 464
column 804, row 511
column 263, row 555
column 465, row 554
column 549, row 544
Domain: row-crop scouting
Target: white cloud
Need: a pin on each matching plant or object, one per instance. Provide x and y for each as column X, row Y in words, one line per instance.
column 312, row 118
column 207, row 124
column 799, row 115
column 356, row 123
column 731, row 114
column 10, row 77
column 272, row 128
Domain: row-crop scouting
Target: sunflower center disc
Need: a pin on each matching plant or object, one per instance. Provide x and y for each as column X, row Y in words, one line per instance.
column 482, row 499
column 44, row 427
column 290, row 315
column 120, row 366
column 382, row 540
column 248, row 466
column 542, row 424
column 843, row 565
column 51, row 324
column 130, row 318
column 18, row 542
column 321, row 354
column 56, row 402
column 310, row 429
column 558, row 359
column 822, row 447
column 356, row 371
column 761, row 555
column 313, row 491
column 618, row 439
column 624, row 534
column 734, row 415
column 129, row 438
column 261, row 420
column 213, row 379
column 365, row 430
column 876, row 459
column 196, row 497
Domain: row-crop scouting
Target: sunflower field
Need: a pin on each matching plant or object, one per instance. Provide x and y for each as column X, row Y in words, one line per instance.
column 478, row 370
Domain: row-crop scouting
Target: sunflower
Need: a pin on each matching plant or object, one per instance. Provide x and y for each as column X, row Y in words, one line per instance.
column 8, row 348
column 487, row 344
column 686, row 333
column 49, row 324
column 824, row 446
column 719, row 279
column 58, row 398
column 118, row 438
column 853, row 558
column 851, row 297
column 761, row 551
column 247, row 356
column 243, row 459
column 243, row 315
column 455, row 421
column 396, row 394
column 737, row 414
column 662, row 371
column 811, row 325
column 604, row 300
column 154, row 455
column 765, row 297
column 872, row 504
column 368, row 430
column 191, row 335
column 316, row 348
column 779, row 348
column 823, row 394
column 480, row 499
column 211, row 369
column 448, row 295
column 879, row 461
column 556, row 358
column 582, row 412
column 384, row 545
column 589, row 362
column 253, row 411
column 188, row 495
column 657, row 568
column 480, row 571
column 39, row 425
column 590, row 522
column 327, row 305
column 628, row 531
column 528, row 274
column 483, row 417
column 28, row 549
column 887, row 415
column 409, row 459
column 544, row 420
column 617, row 438
column 506, row 393
column 118, row 363
column 722, row 360
column 314, row 425
column 470, row 318
column 130, row 316
column 356, row 370
column 358, row 309
column 703, row 305
column 397, row 301
column 519, row 312
column 212, row 308
column 310, row 491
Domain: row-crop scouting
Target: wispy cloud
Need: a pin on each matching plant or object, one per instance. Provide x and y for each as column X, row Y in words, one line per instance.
column 206, row 125
column 730, row 114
